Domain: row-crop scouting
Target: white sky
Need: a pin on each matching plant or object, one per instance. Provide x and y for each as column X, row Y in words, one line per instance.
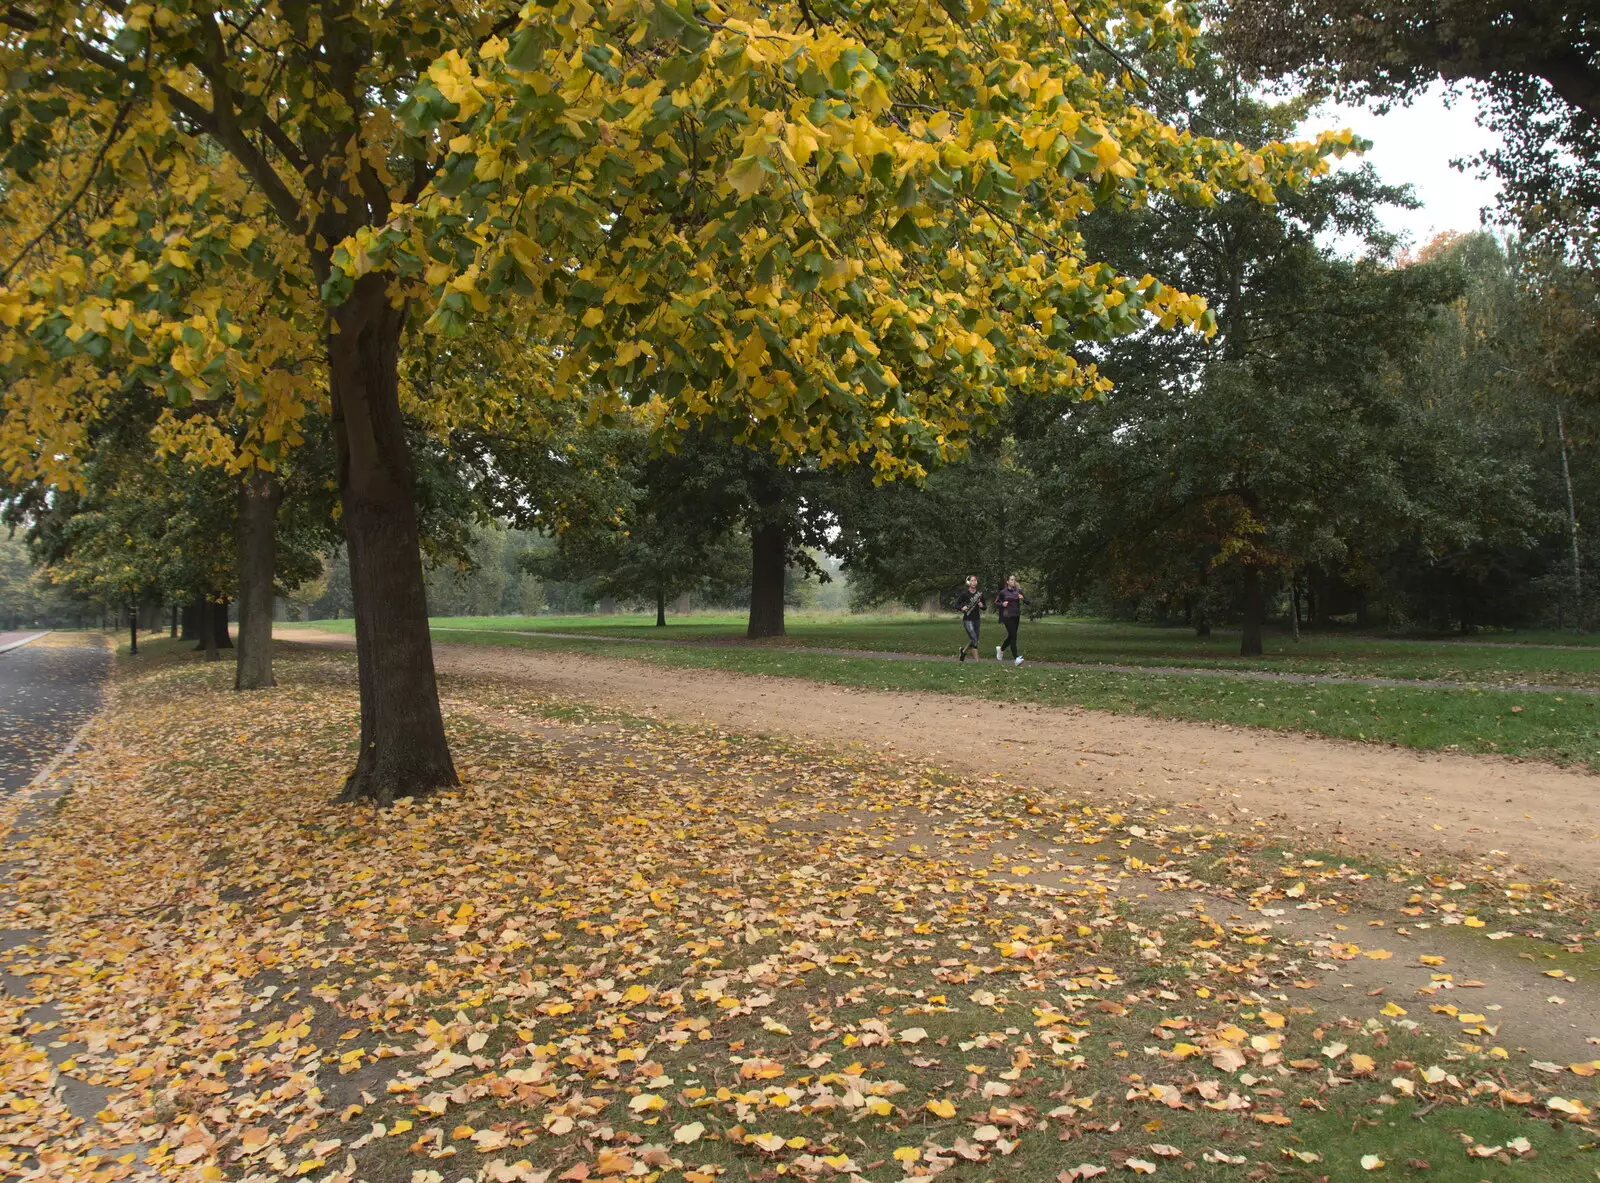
column 1415, row 145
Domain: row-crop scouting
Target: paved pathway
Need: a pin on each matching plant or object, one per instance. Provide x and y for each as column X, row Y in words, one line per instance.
column 1186, row 671
column 47, row 691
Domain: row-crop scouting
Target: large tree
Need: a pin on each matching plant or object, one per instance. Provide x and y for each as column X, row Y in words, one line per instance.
column 1219, row 467
column 844, row 230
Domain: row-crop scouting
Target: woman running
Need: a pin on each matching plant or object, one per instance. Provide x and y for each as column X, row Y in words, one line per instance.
column 971, row 605
column 1009, row 604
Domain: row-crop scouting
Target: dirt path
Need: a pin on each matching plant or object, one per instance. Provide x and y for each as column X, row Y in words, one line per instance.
column 1321, row 793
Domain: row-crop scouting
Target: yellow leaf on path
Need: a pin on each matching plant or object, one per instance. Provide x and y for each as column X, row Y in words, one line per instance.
column 771, row 1143
column 1378, row 954
column 941, row 1108
column 1272, row 1018
column 906, row 1154
column 685, row 1134
column 1360, row 1064
column 1371, row 1162
column 913, row 1035
column 1393, row 1010
column 646, row 1103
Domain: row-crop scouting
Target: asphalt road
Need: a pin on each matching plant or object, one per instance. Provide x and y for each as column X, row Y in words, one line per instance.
column 48, row 688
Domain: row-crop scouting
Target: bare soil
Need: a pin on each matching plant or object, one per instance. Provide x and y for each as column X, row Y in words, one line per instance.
column 1327, row 794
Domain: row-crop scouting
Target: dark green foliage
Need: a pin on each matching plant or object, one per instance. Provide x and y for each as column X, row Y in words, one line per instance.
column 909, row 545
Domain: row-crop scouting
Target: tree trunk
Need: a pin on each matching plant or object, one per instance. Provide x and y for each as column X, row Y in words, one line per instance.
column 661, row 607
column 1250, row 639
column 403, row 750
column 1294, row 608
column 1572, row 521
column 219, row 612
column 769, row 553
column 174, row 622
column 259, row 496
column 133, row 629
column 208, row 631
column 192, row 630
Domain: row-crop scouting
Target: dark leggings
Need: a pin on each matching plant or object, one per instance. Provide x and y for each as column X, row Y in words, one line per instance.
column 1011, row 623
column 971, row 623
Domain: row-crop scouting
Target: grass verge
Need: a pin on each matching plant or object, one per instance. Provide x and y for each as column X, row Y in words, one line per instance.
column 1564, row 663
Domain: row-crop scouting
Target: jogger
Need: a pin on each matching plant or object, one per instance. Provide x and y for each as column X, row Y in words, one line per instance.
column 971, row 605
column 1009, row 605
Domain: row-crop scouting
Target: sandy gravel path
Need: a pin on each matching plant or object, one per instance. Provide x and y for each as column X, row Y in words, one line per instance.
column 1324, row 793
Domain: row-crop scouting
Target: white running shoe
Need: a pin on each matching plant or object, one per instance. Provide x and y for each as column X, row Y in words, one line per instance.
column 1019, row 659
column 998, row 650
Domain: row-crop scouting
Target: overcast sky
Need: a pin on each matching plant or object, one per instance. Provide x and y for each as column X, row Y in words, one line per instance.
column 1415, row 145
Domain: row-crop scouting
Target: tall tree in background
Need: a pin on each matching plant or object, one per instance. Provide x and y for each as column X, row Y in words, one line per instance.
column 670, row 530
column 1241, row 459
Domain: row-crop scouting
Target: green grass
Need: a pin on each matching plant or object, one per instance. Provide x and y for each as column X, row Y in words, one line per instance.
column 1557, row 727
column 1539, row 659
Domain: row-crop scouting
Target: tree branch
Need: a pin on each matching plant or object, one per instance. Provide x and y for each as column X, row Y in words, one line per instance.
column 1574, row 80
column 112, row 136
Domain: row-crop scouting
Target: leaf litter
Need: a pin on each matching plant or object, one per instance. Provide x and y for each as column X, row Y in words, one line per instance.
column 625, row 950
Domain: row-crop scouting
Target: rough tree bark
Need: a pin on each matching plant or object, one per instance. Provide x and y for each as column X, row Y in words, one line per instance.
column 191, row 623
column 219, row 612
column 769, row 553
column 259, row 497
column 1250, row 638
column 403, row 750
column 661, row 607
column 133, row 629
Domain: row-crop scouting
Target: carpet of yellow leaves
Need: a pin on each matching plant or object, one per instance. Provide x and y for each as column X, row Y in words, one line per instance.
column 628, row 951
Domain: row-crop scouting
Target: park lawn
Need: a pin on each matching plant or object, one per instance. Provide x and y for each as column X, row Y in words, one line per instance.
column 629, row 950
column 1564, row 728
column 1111, row 643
